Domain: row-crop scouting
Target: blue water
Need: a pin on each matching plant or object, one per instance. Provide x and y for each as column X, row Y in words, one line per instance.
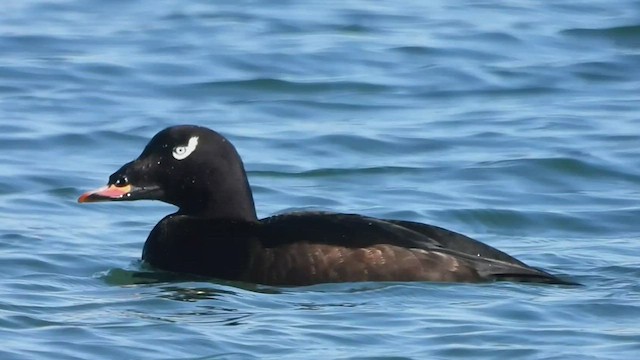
column 516, row 123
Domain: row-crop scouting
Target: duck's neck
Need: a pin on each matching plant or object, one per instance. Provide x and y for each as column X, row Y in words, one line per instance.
column 222, row 206
column 231, row 200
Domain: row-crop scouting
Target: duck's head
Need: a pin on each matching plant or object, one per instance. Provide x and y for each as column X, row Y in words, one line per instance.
column 191, row 167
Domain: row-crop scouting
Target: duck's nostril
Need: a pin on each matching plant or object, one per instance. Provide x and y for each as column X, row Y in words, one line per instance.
column 121, row 181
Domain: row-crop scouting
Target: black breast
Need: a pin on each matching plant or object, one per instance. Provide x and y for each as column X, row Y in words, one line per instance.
column 200, row 246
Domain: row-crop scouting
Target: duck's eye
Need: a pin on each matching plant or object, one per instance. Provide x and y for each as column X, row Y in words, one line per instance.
column 181, row 152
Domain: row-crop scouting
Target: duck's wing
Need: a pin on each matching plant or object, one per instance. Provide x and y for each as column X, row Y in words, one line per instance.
column 349, row 230
column 460, row 243
column 456, row 241
column 336, row 238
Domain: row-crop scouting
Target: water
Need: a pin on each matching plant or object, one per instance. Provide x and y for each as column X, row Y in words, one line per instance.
column 515, row 123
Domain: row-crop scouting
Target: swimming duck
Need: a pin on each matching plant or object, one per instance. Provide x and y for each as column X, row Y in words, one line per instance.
column 216, row 233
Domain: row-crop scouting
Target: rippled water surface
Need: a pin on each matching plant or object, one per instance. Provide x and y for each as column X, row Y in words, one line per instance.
column 516, row 123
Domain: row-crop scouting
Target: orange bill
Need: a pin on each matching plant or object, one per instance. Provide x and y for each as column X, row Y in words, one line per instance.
column 106, row 193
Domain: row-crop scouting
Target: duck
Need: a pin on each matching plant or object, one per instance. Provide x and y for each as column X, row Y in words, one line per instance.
column 216, row 232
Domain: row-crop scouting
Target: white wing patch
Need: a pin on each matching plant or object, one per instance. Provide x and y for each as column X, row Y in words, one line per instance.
column 182, row 152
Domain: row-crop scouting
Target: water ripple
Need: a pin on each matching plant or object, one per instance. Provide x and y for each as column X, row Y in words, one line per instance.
column 512, row 123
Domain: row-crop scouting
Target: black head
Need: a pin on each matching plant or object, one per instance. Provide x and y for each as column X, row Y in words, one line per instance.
column 192, row 167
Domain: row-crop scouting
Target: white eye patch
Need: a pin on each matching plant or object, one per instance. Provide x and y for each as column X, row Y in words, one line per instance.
column 181, row 152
